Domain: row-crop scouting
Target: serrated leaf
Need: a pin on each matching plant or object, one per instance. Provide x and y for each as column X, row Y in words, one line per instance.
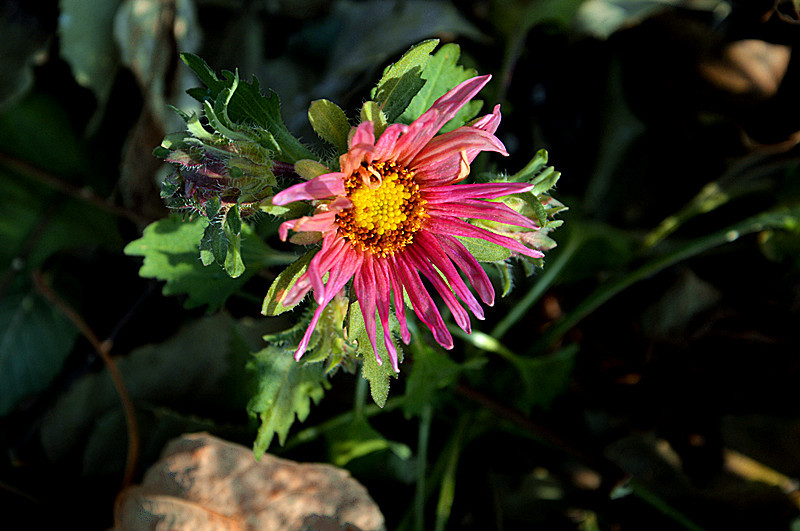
column 286, row 389
column 402, row 80
column 273, row 301
column 377, row 375
column 170, row 250
column 441, row 73
column 35, row 340
column 330, row 122
column 248, row 105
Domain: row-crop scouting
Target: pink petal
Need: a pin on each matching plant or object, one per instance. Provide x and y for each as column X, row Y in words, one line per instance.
column 456, row 227
column 467, row 263
column 383, row 287
column 424, row 128
column 384, row 148
column 477, row 209
column 323, row 222
column 436, row 254
column 338, row 278
column 440, row 161
column 421, row 301
column 364, row 284
column 325, row 185
column 461, row 192
column 418, row 259
column 397, row 295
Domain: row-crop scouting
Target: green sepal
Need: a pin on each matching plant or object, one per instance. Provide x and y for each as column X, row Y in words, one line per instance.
column 329, row 122
column 402, row 80
column 371, row 111
column 273, row 301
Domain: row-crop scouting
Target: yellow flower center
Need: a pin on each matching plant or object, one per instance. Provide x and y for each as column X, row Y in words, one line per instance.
column 387, row 208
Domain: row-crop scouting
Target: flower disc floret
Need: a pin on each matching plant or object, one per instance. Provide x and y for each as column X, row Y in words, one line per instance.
column 387, row 208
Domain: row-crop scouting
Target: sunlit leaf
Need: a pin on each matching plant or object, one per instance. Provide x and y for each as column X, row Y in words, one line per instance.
column 286, row 389
column 171, row 251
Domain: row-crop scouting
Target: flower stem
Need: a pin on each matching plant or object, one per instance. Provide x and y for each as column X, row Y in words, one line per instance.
column 539, row 287
column 422, row 468
column 447, row 492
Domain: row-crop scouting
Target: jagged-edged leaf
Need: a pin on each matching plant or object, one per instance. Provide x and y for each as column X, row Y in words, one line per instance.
column 247, row 105
column 372, row 111
column 378, row 375
column 170, row 248
column 441, row 73
column 286, row 389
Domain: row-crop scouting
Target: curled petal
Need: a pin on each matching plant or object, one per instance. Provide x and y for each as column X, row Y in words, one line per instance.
column 457, row 227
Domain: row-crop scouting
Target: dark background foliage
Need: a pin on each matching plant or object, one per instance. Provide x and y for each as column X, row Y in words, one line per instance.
column 641, row 106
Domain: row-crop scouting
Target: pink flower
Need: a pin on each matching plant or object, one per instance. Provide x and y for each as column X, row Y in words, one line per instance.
column 394, row 211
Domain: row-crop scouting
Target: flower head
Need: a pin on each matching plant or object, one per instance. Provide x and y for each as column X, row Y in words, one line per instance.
column 394, row 211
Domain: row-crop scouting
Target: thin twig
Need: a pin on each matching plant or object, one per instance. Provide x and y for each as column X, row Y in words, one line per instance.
column 82, row 194
column 103, row 349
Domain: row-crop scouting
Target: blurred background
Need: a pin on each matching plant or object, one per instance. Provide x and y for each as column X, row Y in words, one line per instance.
column 674, row 286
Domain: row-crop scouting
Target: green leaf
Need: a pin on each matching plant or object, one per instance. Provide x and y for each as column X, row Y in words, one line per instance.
column 35, row 340
column 330, row 123
column 378, row 375
column 358, row 439
column 86, row 42
column 285, row 391
column 273, row 301
column 402, row 80
column 484, row 251
column 441, row 74
column 430, row 373
column 544, row 377
column 199, row 370
column 170, row 250
column 247, row 105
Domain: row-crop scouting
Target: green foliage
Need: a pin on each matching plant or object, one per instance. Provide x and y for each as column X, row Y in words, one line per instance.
column 87, row 44
column 402, row 80
column 273, row 301
column 238, row 103
column 378, row 375
column 330, row 123
column 358, row 439
column 286, row 389
column 170, row 250
column 203, row 361
column 35, row 340
column 432, row 373
column 441, row 73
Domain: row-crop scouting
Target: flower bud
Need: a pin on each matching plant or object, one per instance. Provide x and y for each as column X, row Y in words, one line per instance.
column 213, row 174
